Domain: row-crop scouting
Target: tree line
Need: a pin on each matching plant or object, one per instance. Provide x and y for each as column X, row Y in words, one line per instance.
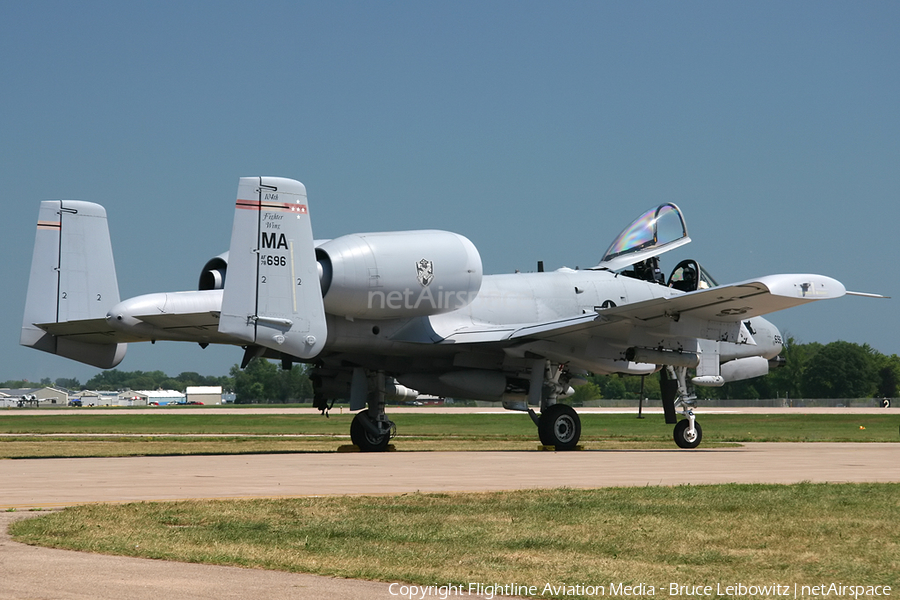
column 836, row 370
column 813, row 370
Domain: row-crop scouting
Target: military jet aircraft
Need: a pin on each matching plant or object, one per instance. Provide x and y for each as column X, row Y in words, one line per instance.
column 390, row 314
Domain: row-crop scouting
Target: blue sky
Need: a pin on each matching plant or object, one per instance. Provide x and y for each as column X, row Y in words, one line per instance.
column 538, row 130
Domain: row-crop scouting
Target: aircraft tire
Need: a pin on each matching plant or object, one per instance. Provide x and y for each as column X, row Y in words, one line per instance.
column 364, row 439
column 680, row 434
column 559, row 426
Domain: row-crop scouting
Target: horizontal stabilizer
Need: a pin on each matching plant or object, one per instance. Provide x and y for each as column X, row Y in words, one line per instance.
column 72, row 285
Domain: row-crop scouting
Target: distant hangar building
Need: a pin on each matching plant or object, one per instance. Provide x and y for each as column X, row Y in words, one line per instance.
column 206, row 394
column 149, row 398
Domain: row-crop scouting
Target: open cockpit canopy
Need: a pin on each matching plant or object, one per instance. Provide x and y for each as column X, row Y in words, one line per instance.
column 656, row 231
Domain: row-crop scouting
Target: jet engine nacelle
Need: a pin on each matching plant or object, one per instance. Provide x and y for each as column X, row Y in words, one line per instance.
column 398, row 274
column 212, row 277
column 386, row 275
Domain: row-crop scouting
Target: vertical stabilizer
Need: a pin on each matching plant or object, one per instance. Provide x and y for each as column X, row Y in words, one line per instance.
column 72, row 282
column 272, row 295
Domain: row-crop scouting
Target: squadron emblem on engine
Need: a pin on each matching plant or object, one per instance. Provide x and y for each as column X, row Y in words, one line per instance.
column 425, row 271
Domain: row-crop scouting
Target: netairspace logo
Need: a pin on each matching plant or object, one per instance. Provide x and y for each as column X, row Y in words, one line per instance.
column 439, row 299
column 630, row 590
column 408, row 299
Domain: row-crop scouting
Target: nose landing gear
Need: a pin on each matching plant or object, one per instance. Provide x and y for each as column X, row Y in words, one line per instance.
column 676, row 401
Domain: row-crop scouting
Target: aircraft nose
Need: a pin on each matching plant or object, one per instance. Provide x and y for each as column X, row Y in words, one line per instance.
column 770, row 340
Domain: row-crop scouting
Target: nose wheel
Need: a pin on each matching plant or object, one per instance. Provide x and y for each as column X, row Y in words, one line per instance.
column 687, row 436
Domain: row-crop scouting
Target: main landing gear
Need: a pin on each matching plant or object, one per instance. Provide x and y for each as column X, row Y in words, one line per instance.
column 371, row 435
column 370, row 430
column 558, row 425
column 676, row 401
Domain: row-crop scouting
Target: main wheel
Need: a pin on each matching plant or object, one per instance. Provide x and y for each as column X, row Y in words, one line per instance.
column 364, row 439
column 559, row 426
column 682, row 439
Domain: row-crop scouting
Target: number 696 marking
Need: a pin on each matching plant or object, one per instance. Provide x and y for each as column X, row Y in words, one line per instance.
column 272, row 261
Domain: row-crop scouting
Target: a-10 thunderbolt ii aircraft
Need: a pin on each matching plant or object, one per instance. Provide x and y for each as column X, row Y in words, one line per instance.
column 381, row 315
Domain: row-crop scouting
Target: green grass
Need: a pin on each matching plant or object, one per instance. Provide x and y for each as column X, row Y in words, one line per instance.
column 67, row 447
column 757, row 427
column 261, row 433
column 720, row 427
column 752, row 534
column 173, row 422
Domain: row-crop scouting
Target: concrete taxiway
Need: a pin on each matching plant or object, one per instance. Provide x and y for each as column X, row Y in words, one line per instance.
column 48, row 483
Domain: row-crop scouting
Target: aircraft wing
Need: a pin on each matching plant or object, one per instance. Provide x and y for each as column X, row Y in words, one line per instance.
column 480, row 333
column 727, row 304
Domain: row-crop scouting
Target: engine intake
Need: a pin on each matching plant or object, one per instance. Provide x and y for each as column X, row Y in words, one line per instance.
column 212, row 277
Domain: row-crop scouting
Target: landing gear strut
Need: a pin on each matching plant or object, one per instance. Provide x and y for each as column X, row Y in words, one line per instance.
column 676, row 401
